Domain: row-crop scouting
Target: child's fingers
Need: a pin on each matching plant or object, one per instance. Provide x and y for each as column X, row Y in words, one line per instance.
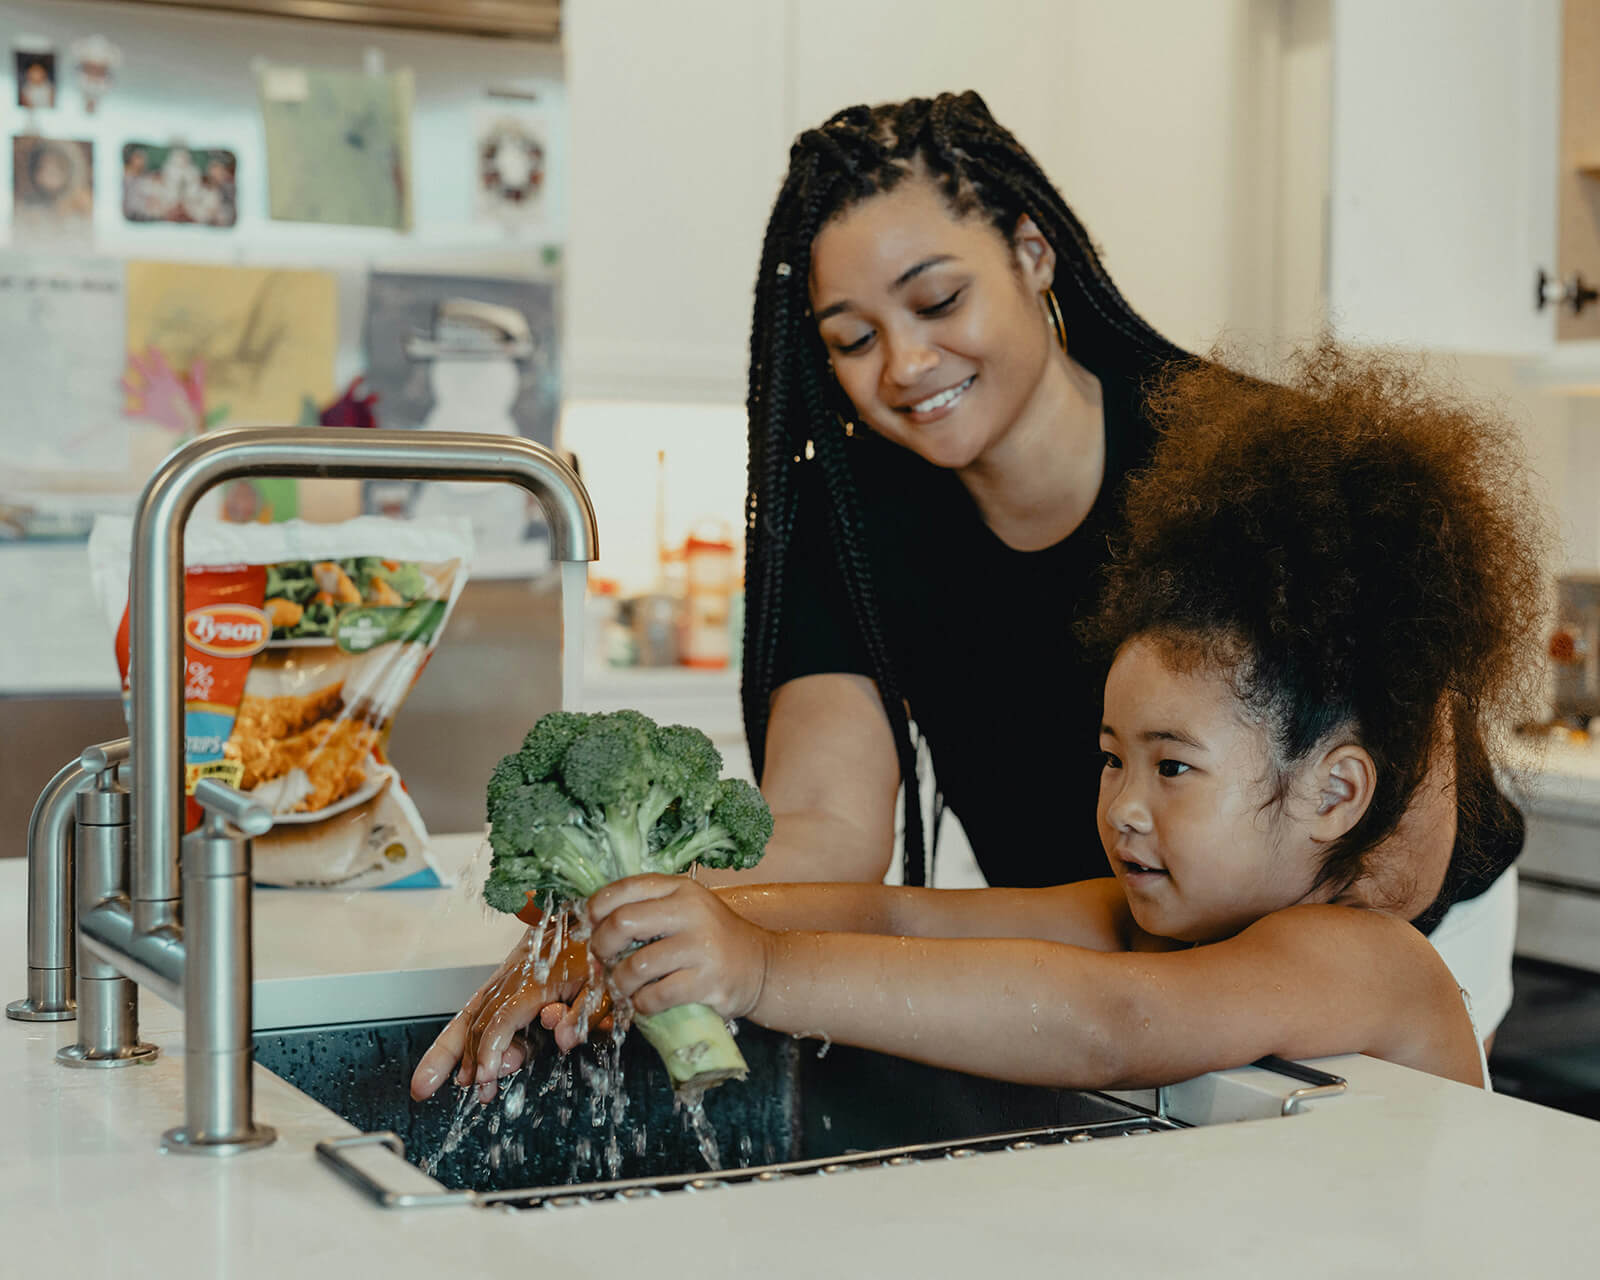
column 683, row 986
column 633, row 889
column 639, row 921
column 654, row 962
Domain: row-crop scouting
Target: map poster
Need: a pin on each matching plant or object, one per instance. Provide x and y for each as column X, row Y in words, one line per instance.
column 338, row 145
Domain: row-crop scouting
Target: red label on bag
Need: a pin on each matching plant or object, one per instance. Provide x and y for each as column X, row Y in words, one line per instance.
column 224, row 628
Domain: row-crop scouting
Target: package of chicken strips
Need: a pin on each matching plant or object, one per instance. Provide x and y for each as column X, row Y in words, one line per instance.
column 301, row 641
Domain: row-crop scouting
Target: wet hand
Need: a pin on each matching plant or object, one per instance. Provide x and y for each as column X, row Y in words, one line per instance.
column 482, row 1043
column 691, row 948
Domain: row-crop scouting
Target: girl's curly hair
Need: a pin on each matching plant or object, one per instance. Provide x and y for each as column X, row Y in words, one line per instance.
column 1357, row 548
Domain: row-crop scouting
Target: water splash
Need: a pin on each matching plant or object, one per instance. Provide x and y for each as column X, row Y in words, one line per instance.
column 691, row 1104
column 822, row 1049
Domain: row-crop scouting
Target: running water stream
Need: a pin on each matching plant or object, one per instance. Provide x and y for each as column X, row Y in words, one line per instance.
column 574, row 587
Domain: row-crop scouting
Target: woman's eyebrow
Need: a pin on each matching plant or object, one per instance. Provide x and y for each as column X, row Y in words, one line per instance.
column 900, row 282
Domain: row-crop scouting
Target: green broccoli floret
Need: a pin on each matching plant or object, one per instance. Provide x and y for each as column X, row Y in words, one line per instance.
column 589, row 799
column 634, row 797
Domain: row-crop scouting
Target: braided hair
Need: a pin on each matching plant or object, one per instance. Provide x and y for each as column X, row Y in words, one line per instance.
column 796, row 410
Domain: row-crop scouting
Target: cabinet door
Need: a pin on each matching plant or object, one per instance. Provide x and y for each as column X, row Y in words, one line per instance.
column 1146, row 114
column 1445, row 137
column 678, row 147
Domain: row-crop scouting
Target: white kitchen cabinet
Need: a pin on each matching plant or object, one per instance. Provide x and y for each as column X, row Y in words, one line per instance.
column 1145, row 114
column 678, row 147
column 1155, row 120
column 1445, row 137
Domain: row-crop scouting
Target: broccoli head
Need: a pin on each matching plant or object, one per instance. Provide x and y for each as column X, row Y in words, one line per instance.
column 592, row 798
column 589, row 799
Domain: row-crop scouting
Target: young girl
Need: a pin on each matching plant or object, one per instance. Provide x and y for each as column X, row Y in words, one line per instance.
column 1322, row 584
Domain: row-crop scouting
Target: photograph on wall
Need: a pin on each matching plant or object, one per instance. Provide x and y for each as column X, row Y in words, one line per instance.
column 36, row 74
column 52, row 190
column 175, row 183
column 512, row 158
column 338, row 145
column 257, row 339
column 94, row 65
column 462, row 353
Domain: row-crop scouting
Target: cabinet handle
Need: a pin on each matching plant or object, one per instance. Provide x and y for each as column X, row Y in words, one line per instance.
column 1574, row 293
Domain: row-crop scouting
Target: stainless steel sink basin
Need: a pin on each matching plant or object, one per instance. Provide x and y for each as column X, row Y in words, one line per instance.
column 557, row 1127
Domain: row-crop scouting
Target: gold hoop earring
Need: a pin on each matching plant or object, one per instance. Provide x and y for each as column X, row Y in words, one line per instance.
column 1053, row 317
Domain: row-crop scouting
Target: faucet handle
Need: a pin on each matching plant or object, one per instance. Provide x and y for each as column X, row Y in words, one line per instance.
column 220, row 800
column 105, row 755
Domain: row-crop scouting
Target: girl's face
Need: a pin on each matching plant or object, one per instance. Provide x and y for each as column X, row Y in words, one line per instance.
column 933, row 324
column 1185, row 808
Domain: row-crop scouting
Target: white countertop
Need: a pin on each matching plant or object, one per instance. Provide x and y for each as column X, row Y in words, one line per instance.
column 1558, row 776
column 1409, row 1176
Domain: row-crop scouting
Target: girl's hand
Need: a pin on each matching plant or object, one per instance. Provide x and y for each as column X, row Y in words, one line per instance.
column 695, row 950
column 482, row 1042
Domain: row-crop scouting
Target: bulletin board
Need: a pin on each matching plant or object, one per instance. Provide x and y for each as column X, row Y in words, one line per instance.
column 189, row 217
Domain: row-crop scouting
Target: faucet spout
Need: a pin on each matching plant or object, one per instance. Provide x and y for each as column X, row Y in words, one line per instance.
column 156, row 587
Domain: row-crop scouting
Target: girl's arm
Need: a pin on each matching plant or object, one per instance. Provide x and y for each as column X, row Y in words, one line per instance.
column 1089, row 913
column 1306, row 982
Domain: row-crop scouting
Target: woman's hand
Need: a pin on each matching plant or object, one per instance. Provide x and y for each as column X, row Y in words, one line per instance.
column 481, row 1043
column 691, row 947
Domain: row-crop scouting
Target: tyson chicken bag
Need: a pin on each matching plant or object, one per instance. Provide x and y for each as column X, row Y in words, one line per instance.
column 301, row 642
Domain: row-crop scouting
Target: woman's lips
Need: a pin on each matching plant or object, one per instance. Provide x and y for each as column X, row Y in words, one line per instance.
column 942, row 403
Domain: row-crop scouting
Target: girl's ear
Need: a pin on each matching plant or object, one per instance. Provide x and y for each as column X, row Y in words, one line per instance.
column 1035, row 257
column 1345, row 779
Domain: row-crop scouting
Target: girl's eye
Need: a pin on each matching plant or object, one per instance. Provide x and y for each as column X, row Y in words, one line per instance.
column 849, row 349
column 1109, row 761
column 939, row 308
column 1172, row 768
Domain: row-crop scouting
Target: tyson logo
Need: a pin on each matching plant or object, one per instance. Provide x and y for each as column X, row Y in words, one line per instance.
column 228, row 630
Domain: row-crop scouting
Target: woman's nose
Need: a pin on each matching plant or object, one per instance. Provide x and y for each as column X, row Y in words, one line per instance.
column 910, row 360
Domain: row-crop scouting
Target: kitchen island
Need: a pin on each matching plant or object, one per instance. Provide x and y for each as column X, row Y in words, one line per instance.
column 1406, row 1175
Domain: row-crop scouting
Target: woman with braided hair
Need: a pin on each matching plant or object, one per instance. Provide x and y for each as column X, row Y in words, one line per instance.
column 947, row 398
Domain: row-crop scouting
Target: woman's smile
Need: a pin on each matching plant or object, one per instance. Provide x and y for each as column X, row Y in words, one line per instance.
column 938, row 405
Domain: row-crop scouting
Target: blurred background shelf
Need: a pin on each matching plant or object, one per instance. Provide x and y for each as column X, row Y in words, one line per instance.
column 514, row 19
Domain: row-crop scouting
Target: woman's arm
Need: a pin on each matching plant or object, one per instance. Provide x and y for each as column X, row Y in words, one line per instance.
column 831, row 780
column 1306, row 982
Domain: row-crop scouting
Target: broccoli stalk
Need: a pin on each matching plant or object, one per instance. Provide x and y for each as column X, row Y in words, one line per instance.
column 589, row 799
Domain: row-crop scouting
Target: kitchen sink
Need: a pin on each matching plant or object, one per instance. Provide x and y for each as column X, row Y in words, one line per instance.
column 560, row 1133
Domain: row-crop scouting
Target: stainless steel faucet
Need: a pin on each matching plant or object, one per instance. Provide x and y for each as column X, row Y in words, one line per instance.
column 52, row 985
column 137, row 930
